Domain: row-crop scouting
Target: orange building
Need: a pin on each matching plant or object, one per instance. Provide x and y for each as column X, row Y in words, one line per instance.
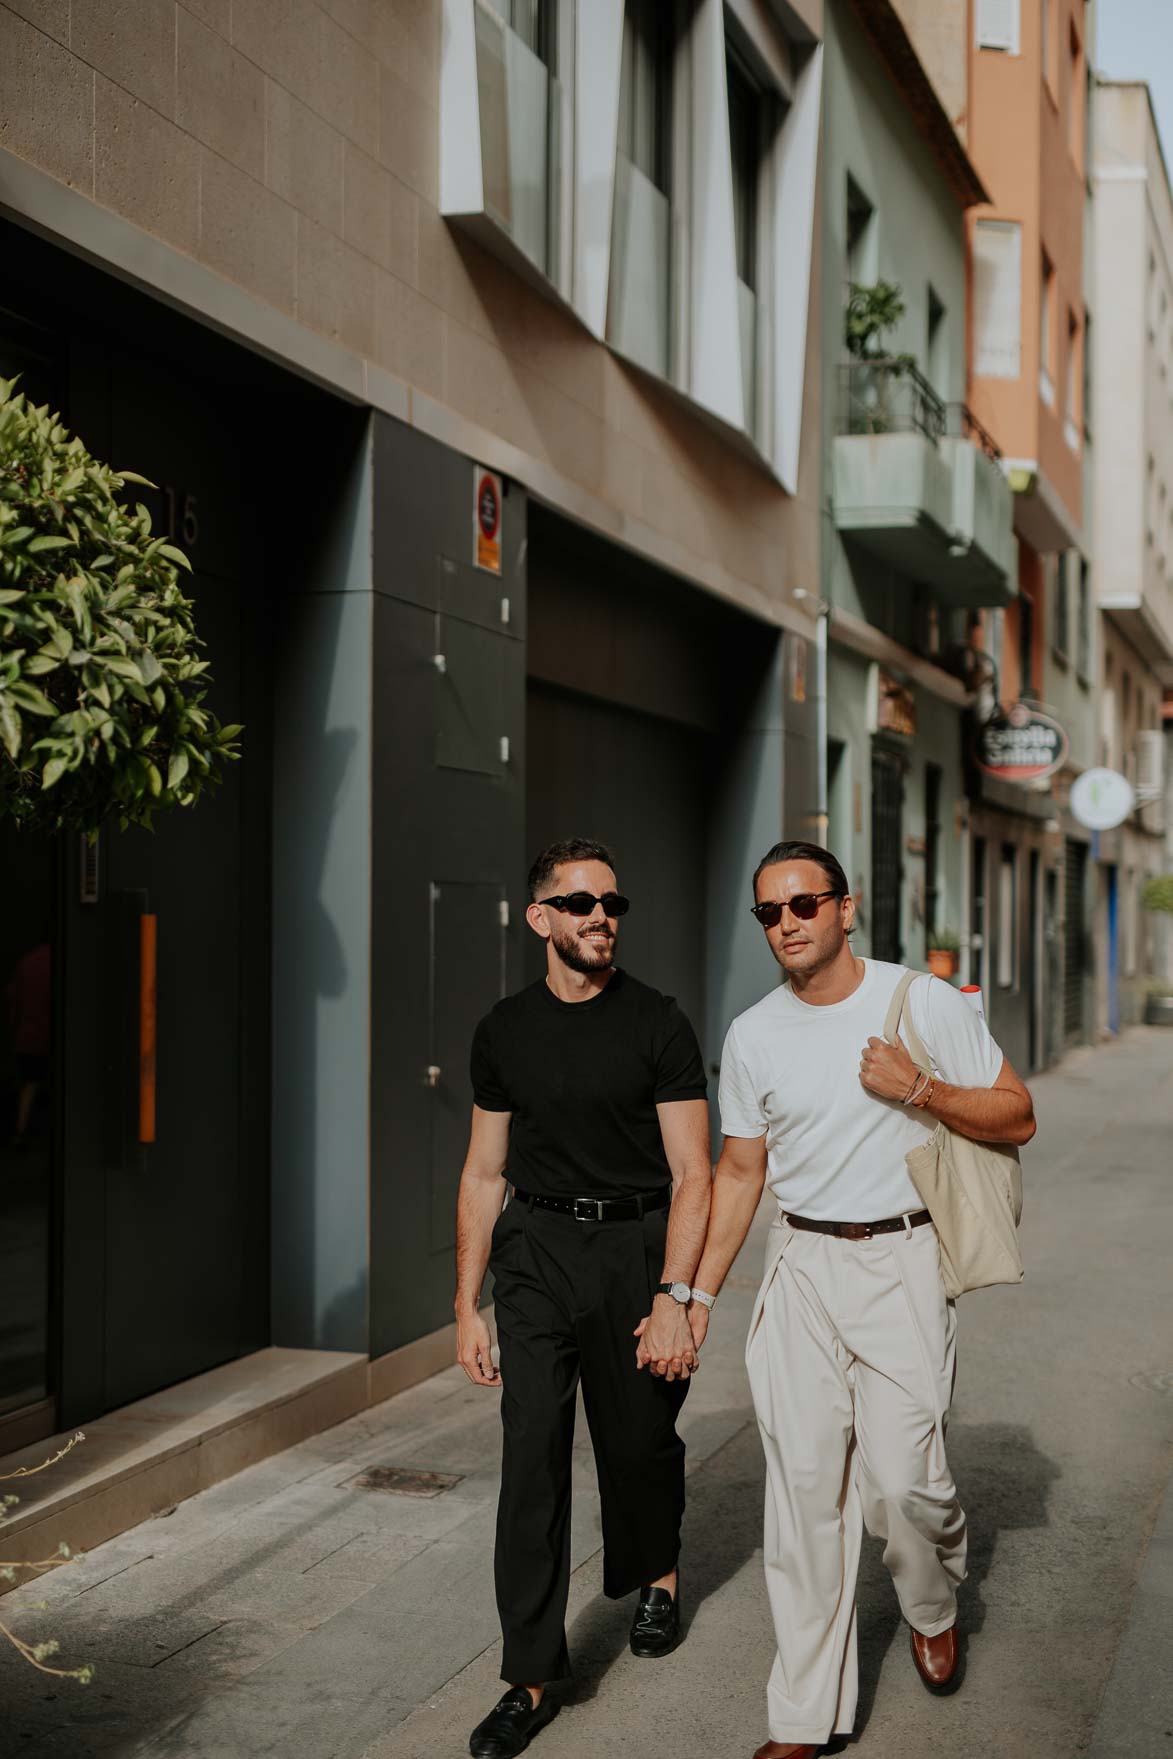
column 1026, row 131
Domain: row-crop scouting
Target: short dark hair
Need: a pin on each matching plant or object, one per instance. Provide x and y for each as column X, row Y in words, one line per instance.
column 805, row 852
column 556, row 855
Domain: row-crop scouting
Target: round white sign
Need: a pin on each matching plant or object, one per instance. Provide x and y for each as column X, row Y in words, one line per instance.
column 1101, row 799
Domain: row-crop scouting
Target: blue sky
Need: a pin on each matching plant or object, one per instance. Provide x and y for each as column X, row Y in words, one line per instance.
column 1134, row 40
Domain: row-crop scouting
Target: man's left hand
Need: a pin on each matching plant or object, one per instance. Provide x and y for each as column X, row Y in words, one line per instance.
column 665, row 1341
column 886, row 1069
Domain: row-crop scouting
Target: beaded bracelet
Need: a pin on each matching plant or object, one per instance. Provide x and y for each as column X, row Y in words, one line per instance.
column 923, row 1099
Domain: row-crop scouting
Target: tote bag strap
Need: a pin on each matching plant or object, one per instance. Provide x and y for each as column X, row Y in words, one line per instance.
column 892, row 1023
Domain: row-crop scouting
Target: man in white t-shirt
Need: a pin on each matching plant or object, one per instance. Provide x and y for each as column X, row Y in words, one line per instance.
column 851, row 1345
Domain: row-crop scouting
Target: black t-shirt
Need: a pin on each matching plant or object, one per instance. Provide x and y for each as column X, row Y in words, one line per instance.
column 583, row 1080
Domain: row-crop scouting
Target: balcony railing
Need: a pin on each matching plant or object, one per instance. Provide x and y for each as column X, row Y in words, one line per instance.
column 885, row 396
column 963, row 424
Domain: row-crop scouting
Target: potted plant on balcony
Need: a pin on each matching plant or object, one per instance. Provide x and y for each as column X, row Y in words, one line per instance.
column 871, row 312
column 1157, row 896
column 943, row 952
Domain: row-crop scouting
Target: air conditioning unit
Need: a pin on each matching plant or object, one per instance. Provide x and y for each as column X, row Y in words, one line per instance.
column 1150, row 765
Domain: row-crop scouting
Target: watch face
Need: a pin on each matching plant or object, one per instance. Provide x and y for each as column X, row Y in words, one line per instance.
column 681, row 1292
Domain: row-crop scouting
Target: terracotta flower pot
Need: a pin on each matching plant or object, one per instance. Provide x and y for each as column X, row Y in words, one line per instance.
column 943, row 962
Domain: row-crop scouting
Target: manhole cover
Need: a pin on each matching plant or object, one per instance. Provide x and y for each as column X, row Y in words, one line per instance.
column 1157, row 1380
column 403, row 1481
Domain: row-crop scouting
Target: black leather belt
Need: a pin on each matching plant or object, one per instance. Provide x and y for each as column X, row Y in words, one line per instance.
column 598, row 1209
column 916, row 1218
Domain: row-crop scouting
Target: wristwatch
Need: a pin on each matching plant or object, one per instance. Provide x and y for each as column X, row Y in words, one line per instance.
column 678, row 1291
column 708, row 1301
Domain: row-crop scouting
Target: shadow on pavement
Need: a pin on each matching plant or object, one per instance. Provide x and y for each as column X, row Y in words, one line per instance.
column 1005, row 1483
column 722, row 1529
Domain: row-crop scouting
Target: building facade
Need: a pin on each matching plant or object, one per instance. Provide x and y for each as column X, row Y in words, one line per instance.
column 1132, row 376
column 919, row 534
column 472, row 348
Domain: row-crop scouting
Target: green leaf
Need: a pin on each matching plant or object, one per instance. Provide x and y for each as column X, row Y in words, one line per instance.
column 154, row 780
column 172, row 554
column 32, row 699
column 46, row 542
column 41, row 663
column 122, row 668
column 177, row 769
column 132, row 476
column 9, row 595
column 9, row 726
column 52, row 772
column 150, row 668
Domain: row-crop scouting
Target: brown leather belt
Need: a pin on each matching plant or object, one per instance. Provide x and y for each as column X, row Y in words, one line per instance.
column 916, row 1218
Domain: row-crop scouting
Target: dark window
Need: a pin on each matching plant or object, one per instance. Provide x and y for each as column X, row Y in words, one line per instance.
column 1083, row 634
column 745, row 147
column 1062, row 630
column 936, row 358
column 1026, row 642
column 645, row 90
column 534, row 23
column 861, row 232
column 887, row 842
column 932, row 848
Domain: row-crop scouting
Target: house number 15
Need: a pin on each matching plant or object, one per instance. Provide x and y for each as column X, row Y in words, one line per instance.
column 188, row 527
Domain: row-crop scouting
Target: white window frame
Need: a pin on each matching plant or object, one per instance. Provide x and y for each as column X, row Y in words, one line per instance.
column 996, row 25
column 1001, row 357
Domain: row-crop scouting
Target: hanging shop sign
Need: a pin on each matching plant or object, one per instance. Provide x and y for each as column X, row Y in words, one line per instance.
column 1021, row 745
column 486, row 520
column 1101, row 799
column 896, row 709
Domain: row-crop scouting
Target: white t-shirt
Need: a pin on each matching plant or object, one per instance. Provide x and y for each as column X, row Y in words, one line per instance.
column 790, row 1072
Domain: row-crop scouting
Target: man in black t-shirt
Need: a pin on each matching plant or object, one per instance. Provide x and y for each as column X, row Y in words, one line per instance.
column 589, row 1099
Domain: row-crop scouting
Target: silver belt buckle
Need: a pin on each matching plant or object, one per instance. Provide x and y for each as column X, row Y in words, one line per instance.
column 593, row 1212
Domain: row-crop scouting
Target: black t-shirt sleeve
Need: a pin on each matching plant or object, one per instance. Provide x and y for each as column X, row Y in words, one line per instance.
column 487, row 1088
column 680, row 1072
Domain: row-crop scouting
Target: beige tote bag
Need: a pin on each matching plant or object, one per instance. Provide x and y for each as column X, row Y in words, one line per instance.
column 972, row 1190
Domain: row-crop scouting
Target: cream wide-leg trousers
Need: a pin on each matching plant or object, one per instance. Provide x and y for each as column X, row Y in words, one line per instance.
column 851, row 1358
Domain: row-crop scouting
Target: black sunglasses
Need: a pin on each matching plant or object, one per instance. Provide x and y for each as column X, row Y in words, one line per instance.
column 582, row 903
column 804, row 905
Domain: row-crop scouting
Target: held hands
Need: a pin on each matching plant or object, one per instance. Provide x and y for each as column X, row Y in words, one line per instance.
column 474, row 1350
column 670, row 1338
column 887, row 1069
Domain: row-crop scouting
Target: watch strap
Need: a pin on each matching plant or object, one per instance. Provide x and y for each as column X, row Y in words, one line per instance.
column 709, row 1301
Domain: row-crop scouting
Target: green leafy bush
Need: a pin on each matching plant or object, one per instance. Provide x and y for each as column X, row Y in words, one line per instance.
column 101, row 683
column 943, row 940
column 871, row 311
column 1158, row 892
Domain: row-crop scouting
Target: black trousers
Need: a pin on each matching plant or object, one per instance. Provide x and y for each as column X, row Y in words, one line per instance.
column 568, row 1297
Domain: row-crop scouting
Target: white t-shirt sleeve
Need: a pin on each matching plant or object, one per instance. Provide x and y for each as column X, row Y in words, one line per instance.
column 741, row 1111
column 955, row 1034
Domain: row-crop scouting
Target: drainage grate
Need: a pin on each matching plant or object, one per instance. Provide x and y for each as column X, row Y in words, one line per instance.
column 402, row 1481
column 1157, row 1380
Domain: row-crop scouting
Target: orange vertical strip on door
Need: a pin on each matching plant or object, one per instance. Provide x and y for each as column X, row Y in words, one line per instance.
column 147, row 1016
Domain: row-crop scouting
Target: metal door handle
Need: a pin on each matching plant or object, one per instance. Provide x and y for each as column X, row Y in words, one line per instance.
column 432, row 1075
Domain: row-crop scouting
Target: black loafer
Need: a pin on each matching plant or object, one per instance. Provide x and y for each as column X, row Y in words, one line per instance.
column 511, row 1725
column 655, row 1629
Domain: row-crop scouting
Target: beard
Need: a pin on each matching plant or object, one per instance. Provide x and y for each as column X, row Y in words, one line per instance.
column 582, row 955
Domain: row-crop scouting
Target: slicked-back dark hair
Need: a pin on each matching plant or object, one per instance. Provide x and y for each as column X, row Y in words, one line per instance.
column 836, row 878
column 556, row 855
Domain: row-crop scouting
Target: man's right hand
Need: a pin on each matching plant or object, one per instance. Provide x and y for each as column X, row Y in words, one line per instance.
column 474, row 1350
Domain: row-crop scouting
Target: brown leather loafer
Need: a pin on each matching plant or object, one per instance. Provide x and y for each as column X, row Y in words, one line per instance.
column 785, row 1750
column 936, row 1657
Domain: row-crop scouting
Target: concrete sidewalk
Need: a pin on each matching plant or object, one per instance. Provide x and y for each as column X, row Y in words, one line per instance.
column 292, row 1611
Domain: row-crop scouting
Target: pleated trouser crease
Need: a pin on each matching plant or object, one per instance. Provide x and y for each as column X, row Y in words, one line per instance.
column 851, row 1356
column 568, row 1296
